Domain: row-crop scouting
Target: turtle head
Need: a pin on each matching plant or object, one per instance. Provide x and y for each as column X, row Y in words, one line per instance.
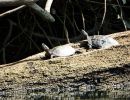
column 47, row 50
column 45, row 47
column 88, row 38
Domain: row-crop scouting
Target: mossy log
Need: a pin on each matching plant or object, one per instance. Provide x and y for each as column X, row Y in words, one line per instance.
column 103, row 67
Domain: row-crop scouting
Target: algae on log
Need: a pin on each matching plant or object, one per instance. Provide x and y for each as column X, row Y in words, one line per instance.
column 103, row 67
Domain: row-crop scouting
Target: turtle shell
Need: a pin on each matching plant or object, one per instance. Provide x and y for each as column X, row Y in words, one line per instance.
column 103, row 42
column 64, row 50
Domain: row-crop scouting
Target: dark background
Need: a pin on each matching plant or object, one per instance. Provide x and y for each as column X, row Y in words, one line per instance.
column 22, row 32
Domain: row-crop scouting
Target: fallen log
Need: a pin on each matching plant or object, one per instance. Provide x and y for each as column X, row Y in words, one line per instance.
column 94, row 66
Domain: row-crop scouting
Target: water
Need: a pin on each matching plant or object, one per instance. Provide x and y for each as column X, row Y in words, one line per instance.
column 32, row 93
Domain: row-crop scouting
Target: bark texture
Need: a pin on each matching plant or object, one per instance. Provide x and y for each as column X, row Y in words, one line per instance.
column 104, row 67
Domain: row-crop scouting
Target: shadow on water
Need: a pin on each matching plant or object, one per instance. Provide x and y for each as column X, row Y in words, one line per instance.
column 33, row 93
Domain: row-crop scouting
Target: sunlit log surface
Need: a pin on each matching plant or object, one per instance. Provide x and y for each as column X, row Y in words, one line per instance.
column 102, row 67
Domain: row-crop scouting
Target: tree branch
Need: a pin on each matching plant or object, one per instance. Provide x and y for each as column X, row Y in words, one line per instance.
column 48, row 5
column 11, row 11
column 15, row 2
column 41, row 12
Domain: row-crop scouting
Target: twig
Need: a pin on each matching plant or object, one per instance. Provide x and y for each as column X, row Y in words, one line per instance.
column 11, row 23
column 64, row 25
column 75, row 38
column 7, row 39
column 4, row 3
column 45, row 34
column 121, row 15
column 83, row 20
column 104, row 15
column 48, row 5
column 11, row 11
column 91, row 1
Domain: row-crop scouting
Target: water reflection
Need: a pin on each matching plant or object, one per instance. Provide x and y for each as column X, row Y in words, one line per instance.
column 31, row 93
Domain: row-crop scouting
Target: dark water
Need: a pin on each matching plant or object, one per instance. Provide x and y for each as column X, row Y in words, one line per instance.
column 27, row 93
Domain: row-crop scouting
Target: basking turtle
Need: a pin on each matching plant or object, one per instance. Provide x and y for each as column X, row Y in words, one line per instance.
column 59, row 51
column 100, row 41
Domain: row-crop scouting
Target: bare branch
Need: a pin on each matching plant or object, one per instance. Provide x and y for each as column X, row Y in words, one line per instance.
column 41, row 12
column 48, row 5
column 15, row 2
column 11, row 11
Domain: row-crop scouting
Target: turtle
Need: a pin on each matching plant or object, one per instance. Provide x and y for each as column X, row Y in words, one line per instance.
column 99, row 41
column 58, row 51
